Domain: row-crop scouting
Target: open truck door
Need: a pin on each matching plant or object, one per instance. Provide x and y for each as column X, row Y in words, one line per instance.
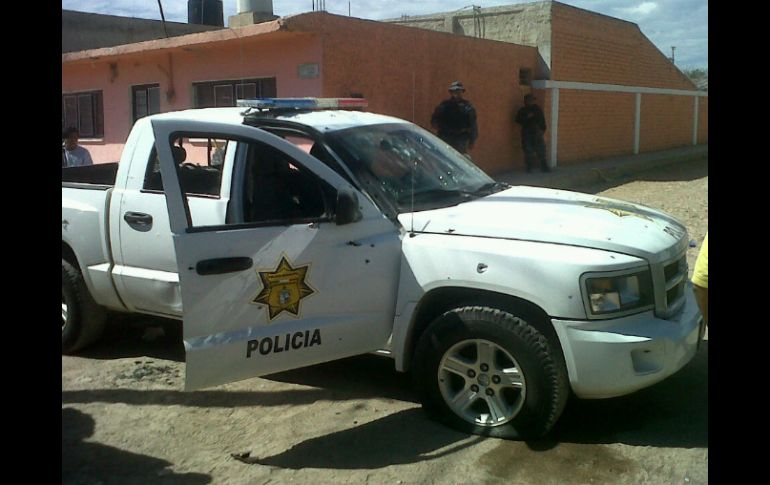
column 284, row 282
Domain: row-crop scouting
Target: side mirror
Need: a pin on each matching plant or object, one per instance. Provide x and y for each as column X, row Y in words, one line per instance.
column 347, row 208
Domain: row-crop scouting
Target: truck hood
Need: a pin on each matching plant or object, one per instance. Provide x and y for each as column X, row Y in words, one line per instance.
column 559, row 217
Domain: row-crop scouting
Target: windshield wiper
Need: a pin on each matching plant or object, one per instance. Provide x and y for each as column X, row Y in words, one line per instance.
column 437, row 194
column 491, row 188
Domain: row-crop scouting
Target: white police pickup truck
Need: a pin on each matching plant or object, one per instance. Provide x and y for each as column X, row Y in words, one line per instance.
column 284, row 235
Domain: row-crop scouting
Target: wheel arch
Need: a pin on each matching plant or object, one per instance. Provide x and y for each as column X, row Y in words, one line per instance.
column 440, row 300
column 82, row 317
column 68, row 254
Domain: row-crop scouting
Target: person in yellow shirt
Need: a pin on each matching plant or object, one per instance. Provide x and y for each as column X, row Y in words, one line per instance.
column 700, row 279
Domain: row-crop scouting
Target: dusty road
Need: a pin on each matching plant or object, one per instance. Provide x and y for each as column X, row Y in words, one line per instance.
column 124, row 419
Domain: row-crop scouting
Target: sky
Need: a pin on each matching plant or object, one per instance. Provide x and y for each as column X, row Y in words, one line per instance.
column 679, row 23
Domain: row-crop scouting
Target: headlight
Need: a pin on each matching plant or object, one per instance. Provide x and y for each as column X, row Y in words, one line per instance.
column 618, row 293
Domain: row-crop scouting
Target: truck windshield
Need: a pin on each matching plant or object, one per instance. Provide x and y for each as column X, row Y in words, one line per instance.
column 404, row 167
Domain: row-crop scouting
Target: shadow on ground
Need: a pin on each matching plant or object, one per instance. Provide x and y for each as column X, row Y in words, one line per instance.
column 671, row 414
column 361, row 377
column 677, row 172
column 399, row 438
column 85, row 462
column 127, row 336
column 356, row 377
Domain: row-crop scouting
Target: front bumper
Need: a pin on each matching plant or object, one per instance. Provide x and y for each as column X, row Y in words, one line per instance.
column 610, row 358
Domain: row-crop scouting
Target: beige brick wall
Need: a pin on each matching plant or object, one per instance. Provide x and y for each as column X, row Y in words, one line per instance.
column 594, row 124
column 703, row 121
column 667, row 122
column 584, row 46
column 406, row 72
column 593, row 48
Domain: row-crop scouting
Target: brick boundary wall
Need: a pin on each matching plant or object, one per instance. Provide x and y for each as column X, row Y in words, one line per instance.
column 406, row 72
column 588, row 121
column 667, row 122
column 594, row 124
column 594, row 48
column 589, row 48
column 703, row 120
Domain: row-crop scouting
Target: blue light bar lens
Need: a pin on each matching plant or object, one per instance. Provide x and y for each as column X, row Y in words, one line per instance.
column 303, row 103
column 278, row 103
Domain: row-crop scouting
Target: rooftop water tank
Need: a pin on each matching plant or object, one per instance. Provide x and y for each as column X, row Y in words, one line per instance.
column 205, row 12
column 260, row 6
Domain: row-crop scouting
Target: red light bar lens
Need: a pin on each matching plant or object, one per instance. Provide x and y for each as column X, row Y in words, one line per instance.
column 353, row 103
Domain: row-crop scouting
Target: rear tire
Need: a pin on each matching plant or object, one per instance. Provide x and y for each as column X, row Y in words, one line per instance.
column 82, row 318
column 488, row 372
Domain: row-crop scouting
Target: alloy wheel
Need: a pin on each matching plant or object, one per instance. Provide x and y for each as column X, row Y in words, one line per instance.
column 481, row 382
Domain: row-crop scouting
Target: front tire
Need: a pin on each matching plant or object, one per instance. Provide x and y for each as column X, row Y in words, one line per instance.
column 82, row 318
column 488, row 372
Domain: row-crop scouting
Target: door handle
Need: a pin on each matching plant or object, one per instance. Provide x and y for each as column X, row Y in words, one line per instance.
column 223, row 265
column 138, row 220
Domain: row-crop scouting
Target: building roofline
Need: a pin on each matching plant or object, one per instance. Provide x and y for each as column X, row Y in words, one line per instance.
column 502, row 9
column 298, row 26
column 176, row 42
column 597, row 14
column 289, row 25
column 464, row 11
column 122, row 18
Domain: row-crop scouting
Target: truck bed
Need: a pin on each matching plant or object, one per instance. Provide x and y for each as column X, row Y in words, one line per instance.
column 101, row 175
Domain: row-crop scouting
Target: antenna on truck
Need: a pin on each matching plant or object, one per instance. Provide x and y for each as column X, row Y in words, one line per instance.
column 411, row 209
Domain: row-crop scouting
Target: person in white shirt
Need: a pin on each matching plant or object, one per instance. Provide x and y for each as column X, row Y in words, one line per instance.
column 74, row 154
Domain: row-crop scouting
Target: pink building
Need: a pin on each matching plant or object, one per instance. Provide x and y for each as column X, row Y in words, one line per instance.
column 402, row 71
column 596, row 105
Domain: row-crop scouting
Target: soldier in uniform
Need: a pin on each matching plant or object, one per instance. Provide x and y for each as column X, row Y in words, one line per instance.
column 532, row 121
column 455, row 119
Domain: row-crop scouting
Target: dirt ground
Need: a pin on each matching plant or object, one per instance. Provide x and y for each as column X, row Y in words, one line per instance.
column 125, row 420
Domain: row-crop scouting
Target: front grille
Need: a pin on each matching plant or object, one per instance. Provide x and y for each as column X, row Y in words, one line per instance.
column 671, row 270
column 675, row 278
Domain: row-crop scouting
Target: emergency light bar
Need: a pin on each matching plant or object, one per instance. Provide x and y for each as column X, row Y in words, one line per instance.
column 302, row 103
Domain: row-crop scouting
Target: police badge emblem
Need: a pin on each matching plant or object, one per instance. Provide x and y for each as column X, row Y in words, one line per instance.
column 619, row 209
column 283, row 288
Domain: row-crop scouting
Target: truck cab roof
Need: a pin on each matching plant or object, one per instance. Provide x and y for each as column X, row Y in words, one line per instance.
column 321, row 120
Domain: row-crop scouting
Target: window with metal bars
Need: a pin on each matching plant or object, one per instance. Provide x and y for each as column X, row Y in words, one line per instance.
column 84, row 111
column 145, row 100
column 225, row 93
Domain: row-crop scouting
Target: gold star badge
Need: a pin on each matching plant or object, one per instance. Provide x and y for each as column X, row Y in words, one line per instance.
column 620, row 210
column 284, row 288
